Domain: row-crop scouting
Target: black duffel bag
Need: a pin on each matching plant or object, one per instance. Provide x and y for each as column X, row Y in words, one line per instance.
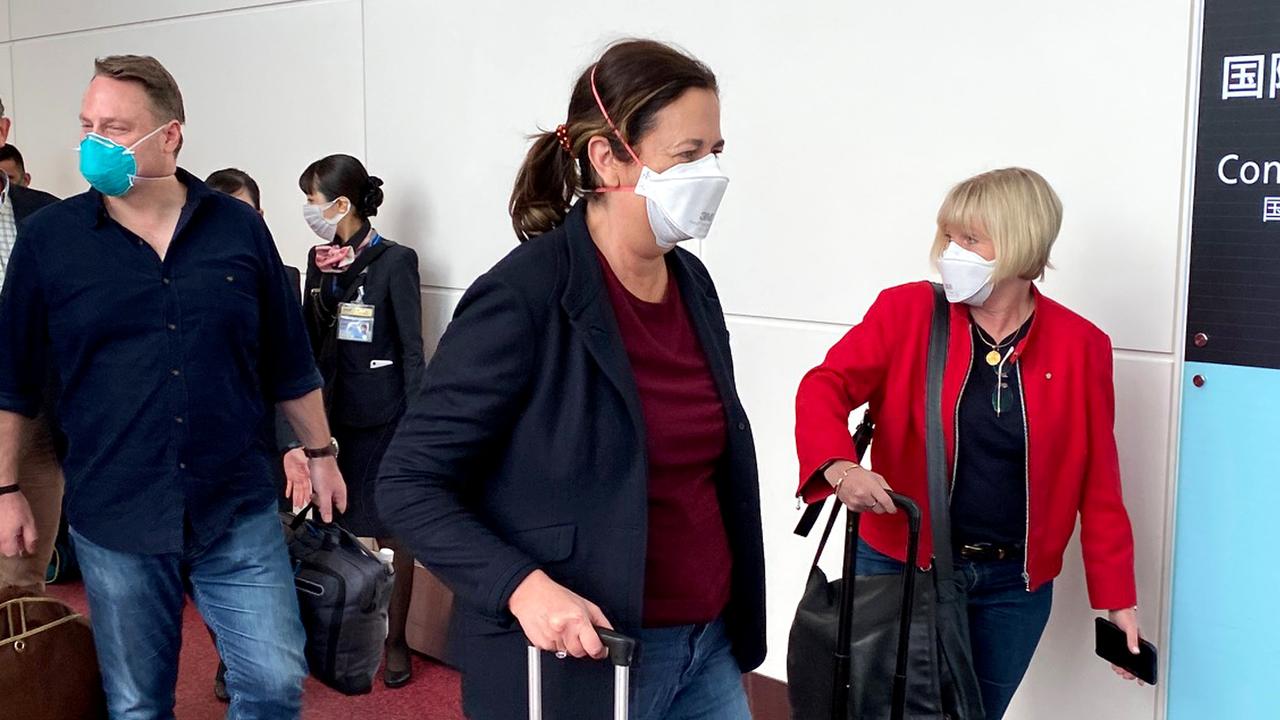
column 343, row 594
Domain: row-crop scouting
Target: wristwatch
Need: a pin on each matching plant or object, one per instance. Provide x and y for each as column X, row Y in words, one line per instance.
column 330, row 450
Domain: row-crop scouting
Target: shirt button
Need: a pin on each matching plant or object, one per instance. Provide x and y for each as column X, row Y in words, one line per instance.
column 165, row 281
column 172, row 326
column 175, row 372
column 742, row 426
column 178, row 419
column 182, row 466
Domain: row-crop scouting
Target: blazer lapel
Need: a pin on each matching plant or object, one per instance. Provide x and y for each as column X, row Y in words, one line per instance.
column 591, row 315
column 706, row 315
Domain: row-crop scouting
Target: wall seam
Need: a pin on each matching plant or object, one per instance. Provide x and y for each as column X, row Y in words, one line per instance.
column 364, row 80
column 157, row 21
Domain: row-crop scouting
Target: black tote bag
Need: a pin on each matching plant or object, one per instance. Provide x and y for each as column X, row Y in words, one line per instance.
column 940, row 682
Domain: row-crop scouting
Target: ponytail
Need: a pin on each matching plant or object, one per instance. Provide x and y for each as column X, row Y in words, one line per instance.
column 545, row 187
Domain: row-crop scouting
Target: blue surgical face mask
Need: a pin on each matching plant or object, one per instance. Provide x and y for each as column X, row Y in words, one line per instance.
column 109, row 166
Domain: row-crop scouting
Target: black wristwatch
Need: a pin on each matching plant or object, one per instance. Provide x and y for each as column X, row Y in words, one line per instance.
column 330, row 450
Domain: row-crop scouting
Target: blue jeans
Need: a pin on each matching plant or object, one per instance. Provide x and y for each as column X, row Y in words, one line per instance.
column 242, row 585
column 687, row 673
column 1005, row 621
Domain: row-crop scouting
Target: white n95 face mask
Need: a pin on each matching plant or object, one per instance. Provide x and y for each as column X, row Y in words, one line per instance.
column 682, row 200
column 967, row 277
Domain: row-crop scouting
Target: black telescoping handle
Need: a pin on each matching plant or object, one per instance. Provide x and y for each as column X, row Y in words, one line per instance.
column 909, row 507
column 905, row 609
column 844, row 631
column 622, row 649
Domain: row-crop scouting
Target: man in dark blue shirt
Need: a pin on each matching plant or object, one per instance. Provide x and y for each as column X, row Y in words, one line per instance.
column 164, row 307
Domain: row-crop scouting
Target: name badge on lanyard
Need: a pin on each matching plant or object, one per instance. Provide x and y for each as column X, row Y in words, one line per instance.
column 355, row 320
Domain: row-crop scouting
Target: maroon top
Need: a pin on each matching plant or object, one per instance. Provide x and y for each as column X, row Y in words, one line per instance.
column 688, row 561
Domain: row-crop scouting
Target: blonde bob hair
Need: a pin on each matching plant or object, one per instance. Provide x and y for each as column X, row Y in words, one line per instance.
column 1016, row 208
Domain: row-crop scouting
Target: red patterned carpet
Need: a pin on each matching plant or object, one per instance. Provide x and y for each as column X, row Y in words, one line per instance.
column 432, row 695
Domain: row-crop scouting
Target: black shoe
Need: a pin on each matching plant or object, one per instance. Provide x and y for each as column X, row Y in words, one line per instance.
column 397, row 679
column 220, row 684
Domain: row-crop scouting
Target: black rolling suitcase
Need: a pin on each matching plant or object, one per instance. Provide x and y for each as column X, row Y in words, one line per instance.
column 343, row 594
column 622, row 650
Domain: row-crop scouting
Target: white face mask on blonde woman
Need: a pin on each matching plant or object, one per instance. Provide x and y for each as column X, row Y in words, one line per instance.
column 967, row 277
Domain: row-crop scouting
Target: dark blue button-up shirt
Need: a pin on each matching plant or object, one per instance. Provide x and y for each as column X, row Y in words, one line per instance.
column 167, row 368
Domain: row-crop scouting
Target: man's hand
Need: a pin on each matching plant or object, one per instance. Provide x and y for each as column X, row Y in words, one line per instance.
column 17, row 526
column 297, row 478
column 329, row 492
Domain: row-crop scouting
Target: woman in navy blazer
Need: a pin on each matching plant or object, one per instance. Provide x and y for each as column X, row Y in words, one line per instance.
column 578, row 455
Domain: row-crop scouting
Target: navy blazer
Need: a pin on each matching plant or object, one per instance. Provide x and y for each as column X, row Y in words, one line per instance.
column 28, row 200
column 525, row 449
column 358, row 394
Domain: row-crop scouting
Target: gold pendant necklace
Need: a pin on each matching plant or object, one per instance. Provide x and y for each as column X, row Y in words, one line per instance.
column 993, row 358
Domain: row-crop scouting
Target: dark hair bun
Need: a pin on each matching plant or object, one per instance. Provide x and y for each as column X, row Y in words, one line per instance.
column 372, row 196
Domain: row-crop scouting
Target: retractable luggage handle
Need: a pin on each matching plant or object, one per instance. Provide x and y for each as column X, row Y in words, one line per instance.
column 622, row 650
column 844, row 632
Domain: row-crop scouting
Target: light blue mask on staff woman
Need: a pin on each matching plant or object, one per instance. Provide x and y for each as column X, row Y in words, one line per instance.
column 109, row 167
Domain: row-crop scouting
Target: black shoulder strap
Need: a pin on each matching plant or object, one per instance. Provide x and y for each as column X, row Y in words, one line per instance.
column 935, row 444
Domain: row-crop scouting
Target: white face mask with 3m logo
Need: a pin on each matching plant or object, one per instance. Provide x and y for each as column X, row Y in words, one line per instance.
column 682, row 201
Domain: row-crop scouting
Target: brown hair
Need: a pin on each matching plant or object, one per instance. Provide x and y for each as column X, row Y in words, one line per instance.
column 635, row 79
column 162, row 90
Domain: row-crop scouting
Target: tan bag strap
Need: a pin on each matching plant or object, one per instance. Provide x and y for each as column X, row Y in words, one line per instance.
column 18, row 640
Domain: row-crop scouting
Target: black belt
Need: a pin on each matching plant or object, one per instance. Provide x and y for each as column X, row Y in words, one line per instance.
column 988, row 552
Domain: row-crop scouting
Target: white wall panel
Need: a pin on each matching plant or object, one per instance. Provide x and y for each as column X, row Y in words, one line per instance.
column 32, row 18
column 5, row 27
column 269, row 108
column 845, row 125
column 437, row 311
column 849, row 132
column 6, row 91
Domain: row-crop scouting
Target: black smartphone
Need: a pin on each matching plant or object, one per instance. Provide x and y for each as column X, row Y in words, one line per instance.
column 1113, row 646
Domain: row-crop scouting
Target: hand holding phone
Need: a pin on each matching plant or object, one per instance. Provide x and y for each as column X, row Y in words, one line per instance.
column 1112, row 645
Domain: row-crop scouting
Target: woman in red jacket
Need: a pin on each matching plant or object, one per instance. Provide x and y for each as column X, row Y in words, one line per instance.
column 1028, row 408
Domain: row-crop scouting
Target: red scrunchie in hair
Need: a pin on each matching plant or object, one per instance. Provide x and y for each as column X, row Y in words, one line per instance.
column 562, row 132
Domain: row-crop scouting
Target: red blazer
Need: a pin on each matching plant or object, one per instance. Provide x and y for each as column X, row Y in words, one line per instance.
column 1065, row 368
